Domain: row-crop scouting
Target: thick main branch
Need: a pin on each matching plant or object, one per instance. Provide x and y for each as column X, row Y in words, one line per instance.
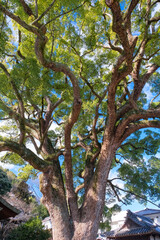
column 25, row 154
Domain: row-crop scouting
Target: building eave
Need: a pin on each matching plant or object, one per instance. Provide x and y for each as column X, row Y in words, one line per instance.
column 7, row 210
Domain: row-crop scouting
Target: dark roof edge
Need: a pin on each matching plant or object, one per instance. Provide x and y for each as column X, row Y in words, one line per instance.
column 134, row 234
column 5, row 203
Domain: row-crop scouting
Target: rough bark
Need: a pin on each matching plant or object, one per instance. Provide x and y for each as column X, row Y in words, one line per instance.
column 92, row 208
column 54, row 200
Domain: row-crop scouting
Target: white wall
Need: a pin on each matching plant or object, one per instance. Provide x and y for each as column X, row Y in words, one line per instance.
column 155, row 217
column 47, row 224
column 118, row 220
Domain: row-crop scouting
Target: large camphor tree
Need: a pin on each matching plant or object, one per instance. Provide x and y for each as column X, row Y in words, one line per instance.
column 72, row 80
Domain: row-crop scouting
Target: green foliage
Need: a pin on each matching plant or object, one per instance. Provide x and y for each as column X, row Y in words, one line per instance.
column 21, row 191
column 5, row 183
column 8, row 131
column 12, row 177
column 40, row 211
column 12, row 158
column 32, row 230
column 27, row 172
column 155, row 166
column 139, row 170
column 107, row 215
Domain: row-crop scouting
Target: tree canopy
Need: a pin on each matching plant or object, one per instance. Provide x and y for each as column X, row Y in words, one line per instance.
column 73, row 80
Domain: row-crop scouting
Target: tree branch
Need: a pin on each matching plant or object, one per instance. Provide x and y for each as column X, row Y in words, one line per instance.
column 140, row 84
column 44, row 13
column 138, row 61
column 112, row 92
column 5, row 70
column 136, row 148
column 25, row 153
column 21, row 106
column 116, row 194
column 115, row 48
column 14, row 56
column 127, row 16
column 64, row 13
column 86, row 81
column 80, row 144
column 50, row 109
column 47, row 119
column 19, row 21
column 96, row 142
column 68, row 161
column 136, row 195
column 127, row 40
column 37, row 109
column 124, row 124
column 152, row 55
column 154, row 19
column 26, row 8
column 19, row 40
column 79, row 188
column 34, row 142
column 94, row 132
column 154, row 99
column 135, row 127
column 58, row 67
column 36, row 9
column 155, row 3
column 13, row 115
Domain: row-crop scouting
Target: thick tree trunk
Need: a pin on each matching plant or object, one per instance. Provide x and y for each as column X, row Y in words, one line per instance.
column 92, row 208
column 55, row 202
column 95, row 198
column 54, row 198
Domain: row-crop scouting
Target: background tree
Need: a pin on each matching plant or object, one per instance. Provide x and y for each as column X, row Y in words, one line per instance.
column 5, row 183
column 82, row 66
column 18, row 192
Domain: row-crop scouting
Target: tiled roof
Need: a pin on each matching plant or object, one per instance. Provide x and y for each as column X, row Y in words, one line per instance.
column 140, row 220
column 144, row 226
column 110, row 233
column 148, row 211
column 135, row 231
column 132, row 232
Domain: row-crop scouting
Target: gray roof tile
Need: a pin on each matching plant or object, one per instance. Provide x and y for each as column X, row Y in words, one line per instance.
column 144, row 226
column 148, row 211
